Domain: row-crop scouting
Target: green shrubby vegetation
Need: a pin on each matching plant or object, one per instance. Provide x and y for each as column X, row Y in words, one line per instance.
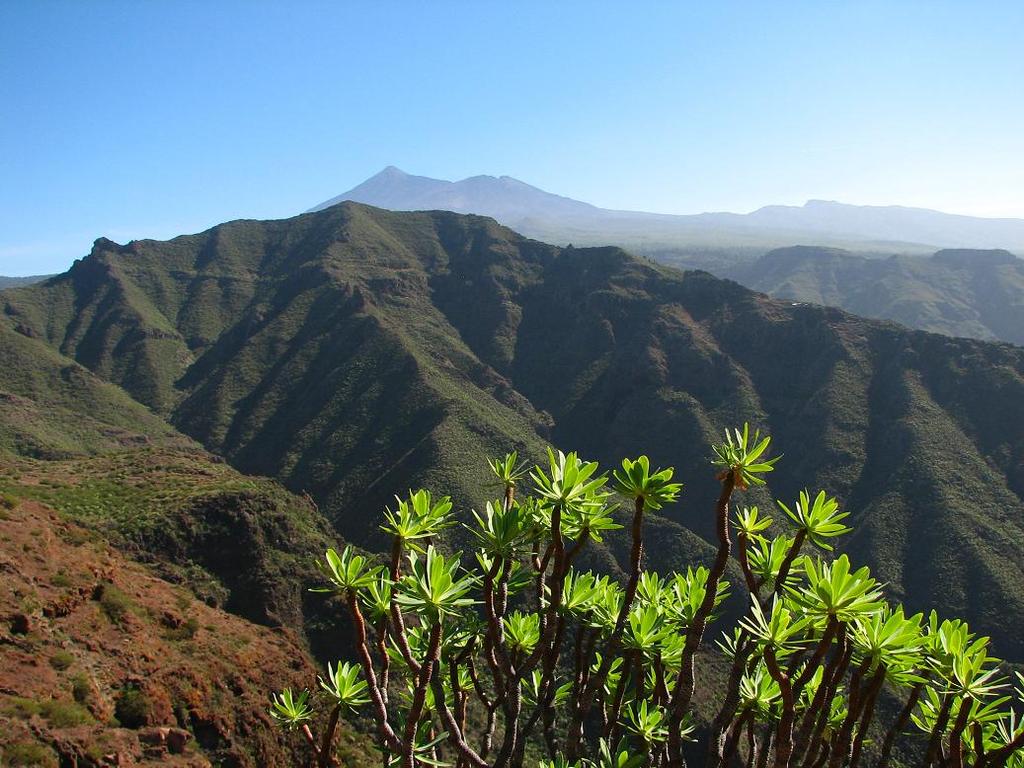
column 59, row 713
column 971, row 293
column 27, row 753
column 115, row 603
column 62, row 659
column 132, row 708
column 487, row 658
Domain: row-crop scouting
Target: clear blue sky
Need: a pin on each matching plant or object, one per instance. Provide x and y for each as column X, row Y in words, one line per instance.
column 149, row 119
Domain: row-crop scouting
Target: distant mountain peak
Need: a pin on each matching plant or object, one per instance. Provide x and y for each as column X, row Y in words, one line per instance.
column 505, row 198
column 554, row 218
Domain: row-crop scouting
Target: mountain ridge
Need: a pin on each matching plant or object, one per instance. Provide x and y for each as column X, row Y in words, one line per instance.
column 973, row 293
column 356, row 352
column 556, row 218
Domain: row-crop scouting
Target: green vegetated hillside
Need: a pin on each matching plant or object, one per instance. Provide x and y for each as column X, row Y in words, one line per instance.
column 53, row 407
column 979, row 294
column 87, row 449
column 226, row 561
column 355, row 353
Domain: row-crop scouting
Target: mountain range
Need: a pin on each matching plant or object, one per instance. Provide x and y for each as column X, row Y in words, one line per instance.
column 10, row 282
column 972, row 293
column 885, row 270
column 558, row 219
column 354, row 353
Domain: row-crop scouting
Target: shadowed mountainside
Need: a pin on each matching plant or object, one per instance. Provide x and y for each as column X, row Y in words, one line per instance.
column 356, row 352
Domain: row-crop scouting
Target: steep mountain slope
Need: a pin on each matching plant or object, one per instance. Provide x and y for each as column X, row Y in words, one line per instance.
column 558, row 219
column 160, row 644
column 356, row 352
column 308, row 350
column 52, row 407
column 88, row 450
column 242, row 544
column 979, row 294
column 101, row 663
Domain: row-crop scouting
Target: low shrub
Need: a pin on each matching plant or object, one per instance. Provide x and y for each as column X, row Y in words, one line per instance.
column 81, row 688
column 29, row 753
column 65, row 714
column 61, row 660
column 19, row 707
column 115, row 603
column 132, row 708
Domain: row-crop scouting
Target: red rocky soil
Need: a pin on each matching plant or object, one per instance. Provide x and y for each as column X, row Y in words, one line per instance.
column 102, row 664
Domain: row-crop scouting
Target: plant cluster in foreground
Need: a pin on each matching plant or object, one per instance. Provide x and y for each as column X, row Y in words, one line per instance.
column 475, row 661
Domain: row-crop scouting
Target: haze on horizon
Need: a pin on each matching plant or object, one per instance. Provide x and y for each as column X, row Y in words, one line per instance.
column 133, row 120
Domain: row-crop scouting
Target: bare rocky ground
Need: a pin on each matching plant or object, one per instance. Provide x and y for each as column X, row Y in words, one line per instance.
column 104, row 664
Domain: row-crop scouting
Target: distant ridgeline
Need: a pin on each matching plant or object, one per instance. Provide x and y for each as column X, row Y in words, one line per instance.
column 972, row 293
column 356, row 353
column 964, row 292
column 559, row 219
column 10, row 282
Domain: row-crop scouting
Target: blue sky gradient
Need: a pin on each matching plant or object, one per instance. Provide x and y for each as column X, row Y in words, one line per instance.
column 149, row 119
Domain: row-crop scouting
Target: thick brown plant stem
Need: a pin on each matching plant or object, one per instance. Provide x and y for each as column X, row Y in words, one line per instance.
column 595, row 684
column 388, row 737
column 513, row 708
column 784, row 732
column 682, row 693
column 831, row 630
column 841, row 746
column 734, row 734
column 615, row 639
column 956, row 741
column 456, row 734
column 822, row 695
column 817, row 720
column 612, row 725
column 767, row 742
column 419, row 697
column 751, row 744
column 866, row 718
column 308, row 734
column 399, row 635
column 716, row 743
column 997, row 758
column 935, row 742
column 325, row 755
